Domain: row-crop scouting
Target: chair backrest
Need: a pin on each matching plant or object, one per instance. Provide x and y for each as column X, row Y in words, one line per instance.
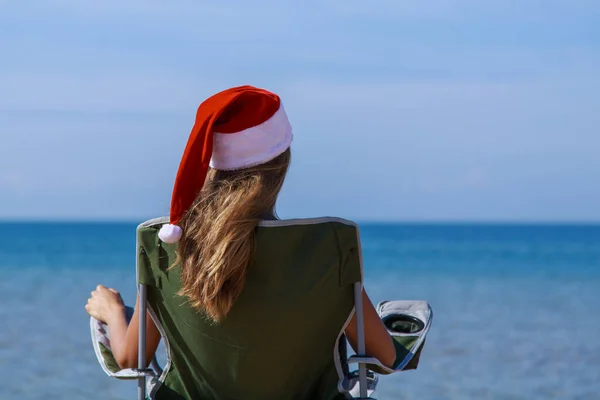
column 281, row 338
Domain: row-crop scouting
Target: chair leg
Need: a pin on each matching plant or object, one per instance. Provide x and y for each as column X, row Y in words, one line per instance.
column 142, row 343
column 360, row 336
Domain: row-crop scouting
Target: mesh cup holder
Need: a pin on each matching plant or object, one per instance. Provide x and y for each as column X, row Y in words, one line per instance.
column 401, row 323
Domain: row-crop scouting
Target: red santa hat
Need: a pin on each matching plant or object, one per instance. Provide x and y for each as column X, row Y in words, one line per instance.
column 237, row 128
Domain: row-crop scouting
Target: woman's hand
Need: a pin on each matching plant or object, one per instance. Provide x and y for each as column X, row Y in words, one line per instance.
column 104, row 303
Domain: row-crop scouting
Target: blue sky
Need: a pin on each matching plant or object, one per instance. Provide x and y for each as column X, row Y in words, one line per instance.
column 439, row 110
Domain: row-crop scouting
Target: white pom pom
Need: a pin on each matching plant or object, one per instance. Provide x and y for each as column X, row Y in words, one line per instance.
column 170, row 233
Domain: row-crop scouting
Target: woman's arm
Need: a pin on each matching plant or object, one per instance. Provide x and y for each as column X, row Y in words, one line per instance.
column 106, row 305
column 378, row 342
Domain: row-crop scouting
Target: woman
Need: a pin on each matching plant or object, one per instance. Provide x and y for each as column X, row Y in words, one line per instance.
column 232, row 170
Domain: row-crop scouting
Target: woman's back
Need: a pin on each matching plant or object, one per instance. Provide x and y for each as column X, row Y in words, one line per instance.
column 279, row 340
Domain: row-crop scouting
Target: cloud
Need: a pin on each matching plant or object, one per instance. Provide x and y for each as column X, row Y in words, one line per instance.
column 14, row 181
column 467, row 9
column 398, row 9
column 277, row 41
column 440, row 108
column 103, row 93
column 420, row 150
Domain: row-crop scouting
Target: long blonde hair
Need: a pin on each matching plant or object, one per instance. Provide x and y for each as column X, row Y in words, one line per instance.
column 217, row 244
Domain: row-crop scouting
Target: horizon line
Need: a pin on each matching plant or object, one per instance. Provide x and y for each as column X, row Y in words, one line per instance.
column 373, row 221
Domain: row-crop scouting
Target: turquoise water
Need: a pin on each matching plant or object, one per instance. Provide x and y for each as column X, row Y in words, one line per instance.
column 517, row 307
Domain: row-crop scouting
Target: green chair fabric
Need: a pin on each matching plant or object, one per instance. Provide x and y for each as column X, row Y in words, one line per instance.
column 279, row 339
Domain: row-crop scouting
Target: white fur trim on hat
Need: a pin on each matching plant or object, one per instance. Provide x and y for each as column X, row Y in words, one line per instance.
column 252, row 146
column 170, row 233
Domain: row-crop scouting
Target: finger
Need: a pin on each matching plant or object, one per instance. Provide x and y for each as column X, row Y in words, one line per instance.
column 100, row 287
column 113, row 290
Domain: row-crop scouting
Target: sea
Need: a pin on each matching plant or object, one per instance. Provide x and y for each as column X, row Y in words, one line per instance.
column 516, row 307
